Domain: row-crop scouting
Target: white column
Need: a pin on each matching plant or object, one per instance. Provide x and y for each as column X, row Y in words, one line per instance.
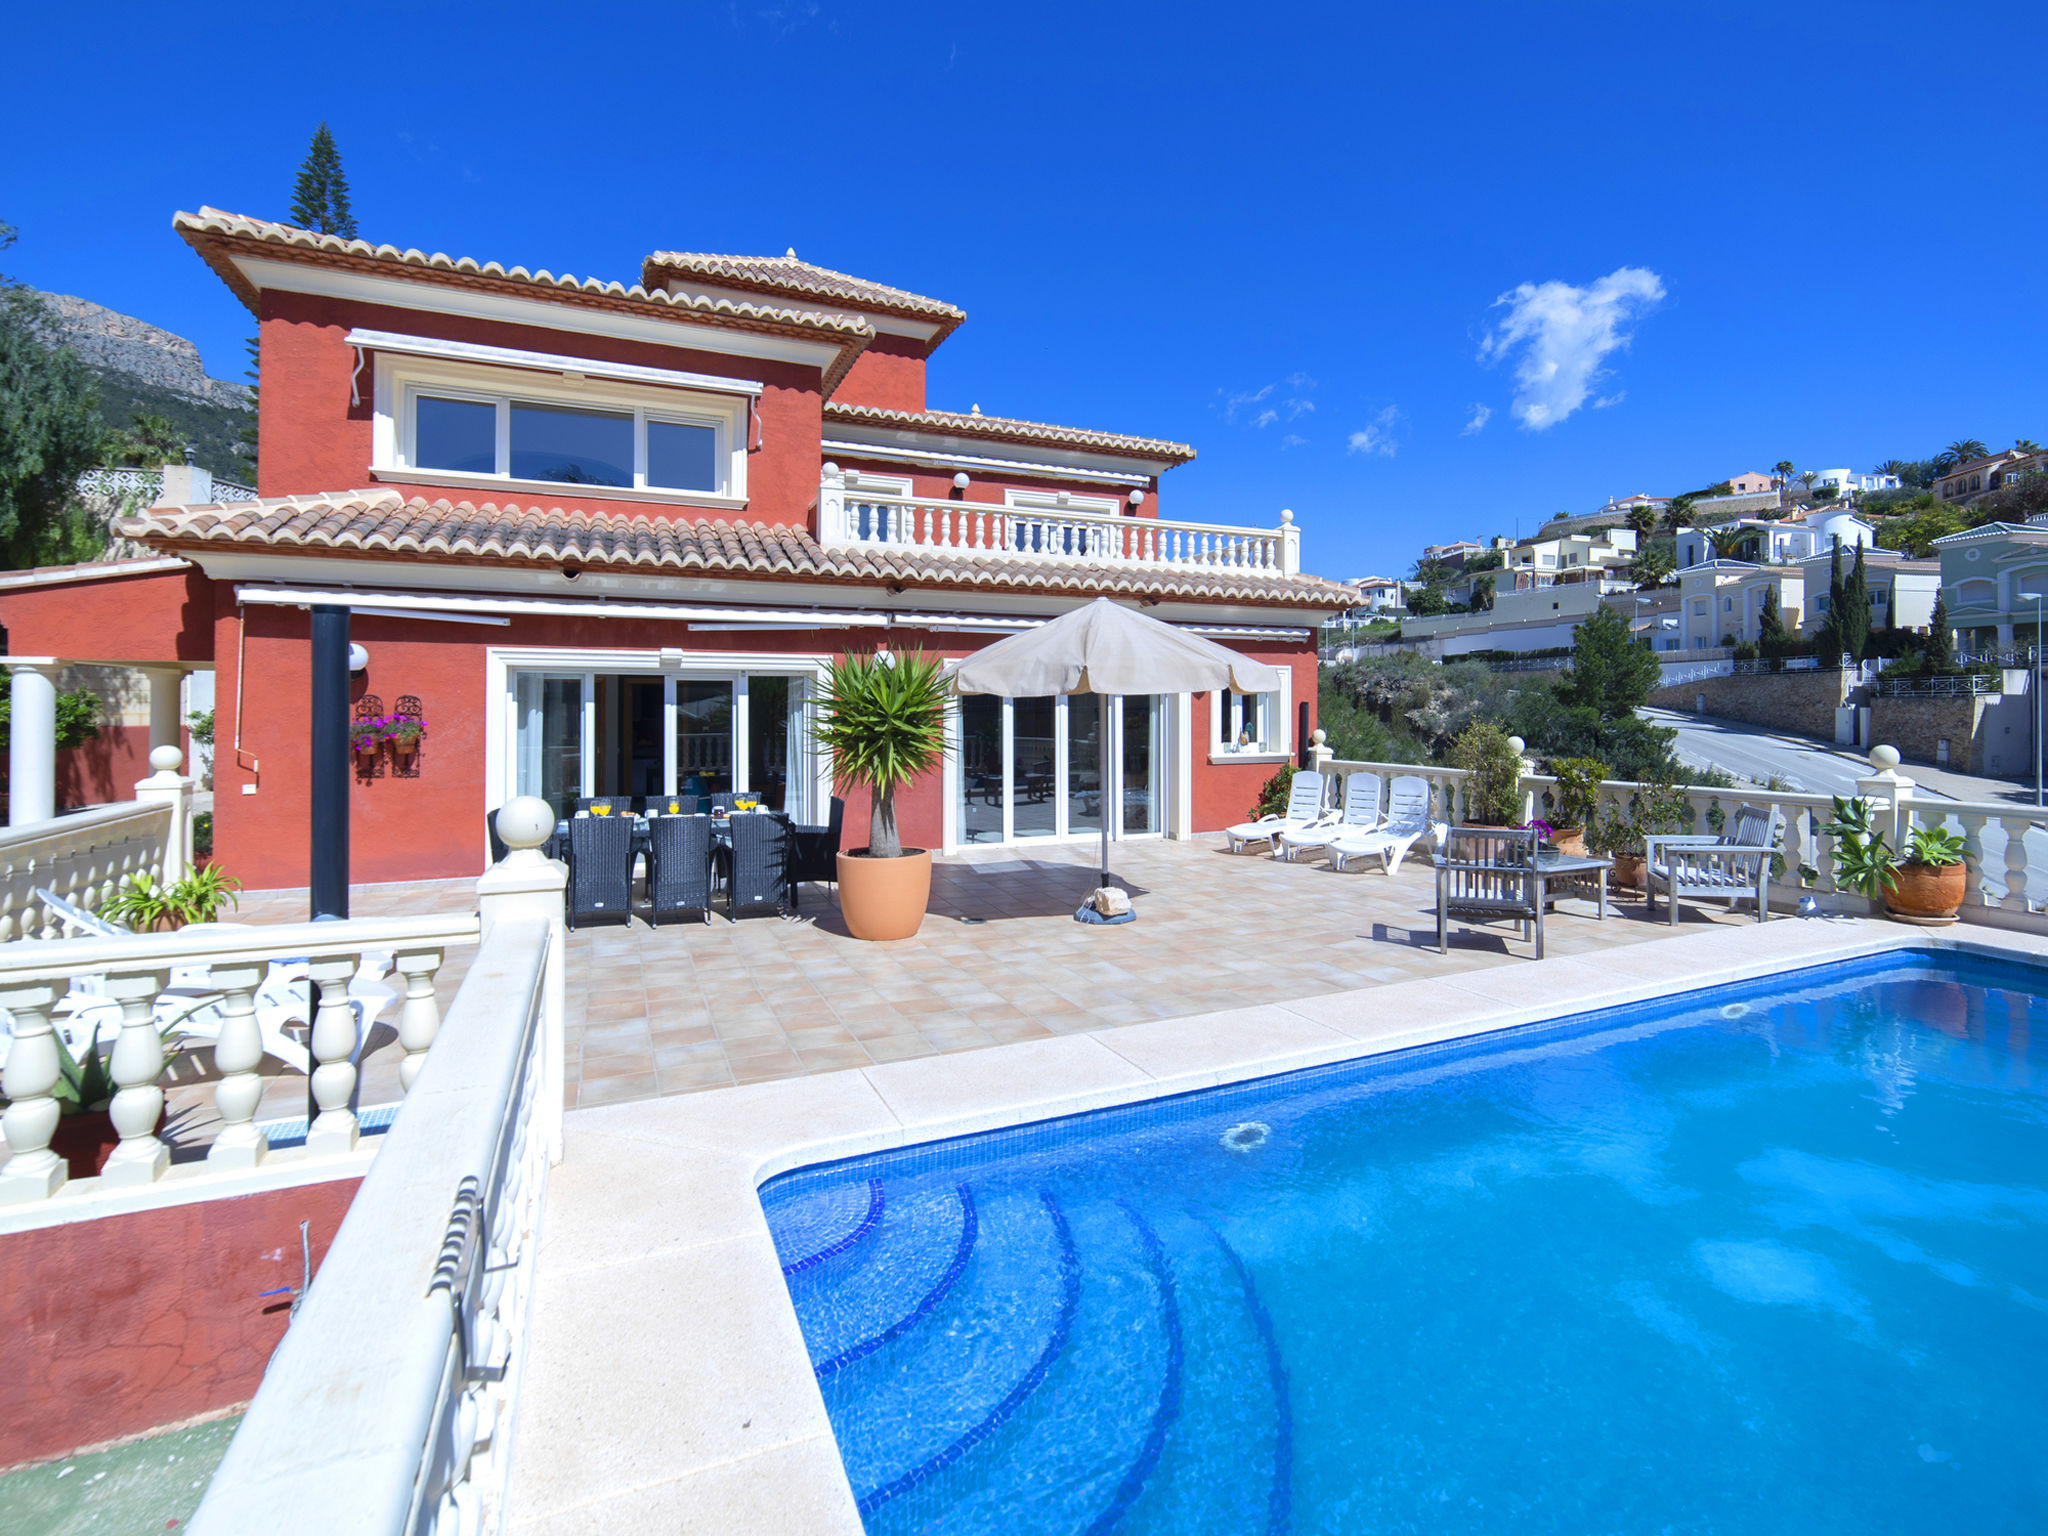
column 525, row 885
column 171, row 788
column 1290, row 545
column 33, row 1171
column 1888, row 789
column 831, row 505
column 419, row 1016
column 32, row 745
column 165, row 685
column 237, row 1053
column 135, row 1064
column 334, row 1043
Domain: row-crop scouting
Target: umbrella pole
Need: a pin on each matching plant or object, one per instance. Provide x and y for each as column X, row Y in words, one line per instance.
column 1102, row 777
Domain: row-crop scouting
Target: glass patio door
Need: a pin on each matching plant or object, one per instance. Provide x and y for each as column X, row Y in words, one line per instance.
column 553, row 729
column 704, row 738
column 1034, row 768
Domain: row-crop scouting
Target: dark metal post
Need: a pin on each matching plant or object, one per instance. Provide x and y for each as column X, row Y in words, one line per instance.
column 1301, row 741
column 328, row 777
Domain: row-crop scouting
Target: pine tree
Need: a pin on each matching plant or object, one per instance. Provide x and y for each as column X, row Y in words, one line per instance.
column 1941, row 640
column 254, row 347
column 320, row 196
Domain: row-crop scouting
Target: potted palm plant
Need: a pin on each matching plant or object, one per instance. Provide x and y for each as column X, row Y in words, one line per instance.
column 1924, row 885
column 883, row 719
column 149, row 905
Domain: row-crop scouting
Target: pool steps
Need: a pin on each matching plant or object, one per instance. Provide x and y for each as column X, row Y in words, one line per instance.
column 945, row 1382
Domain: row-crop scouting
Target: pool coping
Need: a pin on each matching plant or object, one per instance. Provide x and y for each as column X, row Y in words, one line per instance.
column 654, row 1221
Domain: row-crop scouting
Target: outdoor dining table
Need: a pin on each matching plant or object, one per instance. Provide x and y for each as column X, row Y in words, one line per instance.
column 1575, row 874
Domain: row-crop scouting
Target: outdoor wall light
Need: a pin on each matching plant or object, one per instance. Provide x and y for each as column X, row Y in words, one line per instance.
column 960, row 481
column 1137, row 498
column 358, row 658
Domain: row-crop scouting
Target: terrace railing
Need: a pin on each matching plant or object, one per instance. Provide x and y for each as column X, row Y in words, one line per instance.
column 134, row 971
column 1096, row 538
column 82, row 859
column 1965, row 685
column 1995, row 835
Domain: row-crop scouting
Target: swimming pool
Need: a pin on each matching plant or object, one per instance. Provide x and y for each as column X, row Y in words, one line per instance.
column 1770, row 1259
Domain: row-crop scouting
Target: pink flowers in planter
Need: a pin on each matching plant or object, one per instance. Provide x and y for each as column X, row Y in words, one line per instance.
column 402, row 731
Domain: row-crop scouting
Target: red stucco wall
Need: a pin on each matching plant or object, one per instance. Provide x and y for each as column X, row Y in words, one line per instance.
column 108, row 767
column 116, row 1326
column 986, row 487
column 167, row 616
column 312, row 440
column 1224, row 792
column 889, row 374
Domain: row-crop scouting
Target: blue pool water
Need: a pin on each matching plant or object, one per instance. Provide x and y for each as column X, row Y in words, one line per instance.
column 1770, row 1259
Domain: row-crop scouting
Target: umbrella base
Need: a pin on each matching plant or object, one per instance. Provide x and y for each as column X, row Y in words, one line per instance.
column 1087, row 914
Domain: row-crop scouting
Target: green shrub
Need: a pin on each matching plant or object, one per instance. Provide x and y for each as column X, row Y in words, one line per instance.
column 1272, row 799
column 1493, row 794
column 1578, row 789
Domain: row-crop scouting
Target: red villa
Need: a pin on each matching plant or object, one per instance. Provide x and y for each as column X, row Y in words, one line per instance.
column 603, row 538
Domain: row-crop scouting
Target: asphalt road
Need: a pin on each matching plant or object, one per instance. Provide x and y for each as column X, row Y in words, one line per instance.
column 1806, row 766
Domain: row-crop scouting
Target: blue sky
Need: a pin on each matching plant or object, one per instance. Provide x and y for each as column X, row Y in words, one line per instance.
column 1416, row 272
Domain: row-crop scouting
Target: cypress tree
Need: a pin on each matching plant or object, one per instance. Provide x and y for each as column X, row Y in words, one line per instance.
column 1856, row 616
column 320, row 195
column 1941, row 644
column 1829, row 638
column 1770, row 624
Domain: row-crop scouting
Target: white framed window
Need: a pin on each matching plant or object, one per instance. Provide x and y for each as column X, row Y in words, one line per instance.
column 1060, row 501
column 459, row 423
column 1260, row 719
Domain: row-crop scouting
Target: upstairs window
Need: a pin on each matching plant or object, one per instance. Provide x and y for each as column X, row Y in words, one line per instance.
column 563, row 444
column 455, row 422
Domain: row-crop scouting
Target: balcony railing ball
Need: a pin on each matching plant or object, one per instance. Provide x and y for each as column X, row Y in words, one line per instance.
column 525, row 822
column 1884, row 759
column 165, row 759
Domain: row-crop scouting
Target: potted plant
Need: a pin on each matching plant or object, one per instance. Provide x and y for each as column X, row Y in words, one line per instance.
column 148, row 905
column 1493, row 792
column 404, row 732
column 1655, row 806
column 1924, row 885
column 365, row 737
column 85, row 1134
column 883, row 720
column 1577, row 799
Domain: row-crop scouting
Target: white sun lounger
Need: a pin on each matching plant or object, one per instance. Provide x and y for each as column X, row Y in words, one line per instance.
column 1361, row 815
column 1304, row 810
column 1407, row 823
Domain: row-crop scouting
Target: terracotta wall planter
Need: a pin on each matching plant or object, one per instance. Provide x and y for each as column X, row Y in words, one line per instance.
column 1922, row 893
column 884, row 898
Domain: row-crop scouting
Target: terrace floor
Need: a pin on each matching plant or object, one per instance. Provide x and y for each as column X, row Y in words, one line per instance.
column 692, row 1006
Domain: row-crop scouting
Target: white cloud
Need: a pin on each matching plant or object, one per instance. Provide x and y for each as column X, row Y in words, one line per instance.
column 1377, row 435
column 1250, row 408
column 1292, row 441
column 1481, row 415
column 1562, row 334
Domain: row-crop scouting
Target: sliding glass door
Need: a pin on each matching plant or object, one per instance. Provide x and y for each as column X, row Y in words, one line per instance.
column 653, row 734
column 1034, row 768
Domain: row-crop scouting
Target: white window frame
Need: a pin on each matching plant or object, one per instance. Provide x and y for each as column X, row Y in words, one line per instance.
column 1226, row 719
column 1060, row 501
column 402, row 380
column 868, row 483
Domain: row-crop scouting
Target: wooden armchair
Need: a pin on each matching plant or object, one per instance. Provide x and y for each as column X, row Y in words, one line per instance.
column 1736, row 866
column 1485, row 875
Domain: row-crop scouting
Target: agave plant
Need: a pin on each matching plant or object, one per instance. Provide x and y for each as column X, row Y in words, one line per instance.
column 883, row 719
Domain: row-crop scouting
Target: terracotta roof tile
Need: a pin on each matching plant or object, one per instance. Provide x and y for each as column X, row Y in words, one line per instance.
column 383, row 523
column 215, row 234
column 1008, row 430
column 791, row 276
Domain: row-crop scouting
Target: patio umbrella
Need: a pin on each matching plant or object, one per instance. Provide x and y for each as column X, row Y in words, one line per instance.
column 1104, row 648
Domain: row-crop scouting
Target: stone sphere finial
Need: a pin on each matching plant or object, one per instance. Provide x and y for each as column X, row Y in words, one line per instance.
column 1286, row 514
column 1318, row 736
column 166, row 759
column 1884, row 759
column 525, row 822
column 1518, row 744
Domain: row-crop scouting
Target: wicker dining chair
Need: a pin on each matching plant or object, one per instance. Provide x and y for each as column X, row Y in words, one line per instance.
column 814, row 853
column 600, row 870
column 678, row 866
column 1486, row 875
column 758, row 875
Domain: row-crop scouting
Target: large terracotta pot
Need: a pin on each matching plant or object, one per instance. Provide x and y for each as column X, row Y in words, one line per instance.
column 1571, row 840
column 1630, row 869
column 1923, row 893
column 884, row 898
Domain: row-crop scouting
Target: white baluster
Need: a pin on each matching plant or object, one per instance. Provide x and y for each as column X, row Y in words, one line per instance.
column 419, row 1017
column 135, row 1064
column 1974, row 892
column 236, row 1056
column 1823, row 859
column 33, row 1171
column 1795, row 847
column 334, row 1043
column 2015, row 862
